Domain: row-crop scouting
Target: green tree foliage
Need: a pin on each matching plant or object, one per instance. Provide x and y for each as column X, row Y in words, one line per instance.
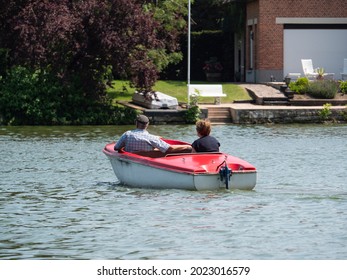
column 38, row 98
column 208, row 14
column 172, row 18
column 83, row 44
column 85, row 37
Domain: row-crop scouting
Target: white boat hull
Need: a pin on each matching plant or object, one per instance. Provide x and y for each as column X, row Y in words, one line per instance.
column 140, row 175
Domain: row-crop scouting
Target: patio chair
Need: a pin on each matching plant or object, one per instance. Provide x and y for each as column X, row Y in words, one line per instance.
column 307, row 66
column 344, row 72
column 310, row 73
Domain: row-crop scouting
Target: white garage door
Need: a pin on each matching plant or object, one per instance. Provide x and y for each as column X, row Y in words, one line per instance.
column 326, row 47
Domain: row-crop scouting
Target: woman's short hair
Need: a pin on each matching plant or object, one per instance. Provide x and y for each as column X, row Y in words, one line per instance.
column 203, row 127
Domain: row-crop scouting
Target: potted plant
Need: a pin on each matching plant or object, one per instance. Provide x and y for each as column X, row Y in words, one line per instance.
column 320, row 72
column 213, row 69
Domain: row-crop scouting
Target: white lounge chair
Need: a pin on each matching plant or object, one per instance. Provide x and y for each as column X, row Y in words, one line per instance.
column 309, row 71
column 307, row 66
column 344, row 72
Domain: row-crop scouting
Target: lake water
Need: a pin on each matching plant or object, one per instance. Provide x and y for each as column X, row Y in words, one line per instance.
column 61, row 200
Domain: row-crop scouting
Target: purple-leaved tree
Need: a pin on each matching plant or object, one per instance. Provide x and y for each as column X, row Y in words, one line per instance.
column 90, row 38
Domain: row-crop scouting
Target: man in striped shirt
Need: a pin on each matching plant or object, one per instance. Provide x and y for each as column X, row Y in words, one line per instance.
column 139, row 140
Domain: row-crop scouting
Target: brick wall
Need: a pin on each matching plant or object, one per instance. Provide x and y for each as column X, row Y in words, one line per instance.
column 269, row 35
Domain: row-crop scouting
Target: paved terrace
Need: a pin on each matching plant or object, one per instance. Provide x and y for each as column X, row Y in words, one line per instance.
column 270, row 105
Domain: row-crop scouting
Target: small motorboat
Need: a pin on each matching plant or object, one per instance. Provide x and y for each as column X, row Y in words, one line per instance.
column 188, row 171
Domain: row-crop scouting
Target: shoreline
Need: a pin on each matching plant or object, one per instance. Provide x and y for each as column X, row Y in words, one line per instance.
column 268, row 105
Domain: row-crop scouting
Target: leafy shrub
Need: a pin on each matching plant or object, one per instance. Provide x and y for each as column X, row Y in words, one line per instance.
column 325, row 113
column 344, row 113
column 300, row 85
column 192, row 114
column 343, row 87
column 325, row 89
column 30, row 97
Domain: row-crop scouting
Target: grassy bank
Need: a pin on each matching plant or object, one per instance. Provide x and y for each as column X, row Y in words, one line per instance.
column 122, row 91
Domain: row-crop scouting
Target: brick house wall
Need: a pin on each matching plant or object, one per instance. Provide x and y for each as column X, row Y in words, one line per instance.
column 267, row 55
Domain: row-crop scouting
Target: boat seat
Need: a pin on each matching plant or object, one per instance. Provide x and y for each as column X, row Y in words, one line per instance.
column 196, row 153
column 151, row 154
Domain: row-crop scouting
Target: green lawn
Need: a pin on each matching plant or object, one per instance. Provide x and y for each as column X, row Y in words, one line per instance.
column 122, row 91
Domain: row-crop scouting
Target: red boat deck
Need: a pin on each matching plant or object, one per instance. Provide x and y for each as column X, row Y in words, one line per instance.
column 183, row 162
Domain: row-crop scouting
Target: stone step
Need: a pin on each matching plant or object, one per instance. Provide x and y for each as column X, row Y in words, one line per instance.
column 279, row 102
column 280, row 98
column 213, row 109
column 219, row 115
column 219, row 121
column 219, row 110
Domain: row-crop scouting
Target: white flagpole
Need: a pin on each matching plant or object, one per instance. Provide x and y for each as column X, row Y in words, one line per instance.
column 188, row 70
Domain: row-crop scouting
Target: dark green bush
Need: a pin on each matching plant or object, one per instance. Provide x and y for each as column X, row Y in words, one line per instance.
column 343, row 87
column 27, row 97
column 325, row 89
column 38, row 98
column 192, row 114
column 300, row 85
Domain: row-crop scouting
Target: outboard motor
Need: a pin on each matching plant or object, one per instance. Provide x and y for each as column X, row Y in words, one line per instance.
column 225, row 173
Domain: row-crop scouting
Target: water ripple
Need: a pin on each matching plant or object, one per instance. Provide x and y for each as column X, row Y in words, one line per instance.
column 60, row 199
